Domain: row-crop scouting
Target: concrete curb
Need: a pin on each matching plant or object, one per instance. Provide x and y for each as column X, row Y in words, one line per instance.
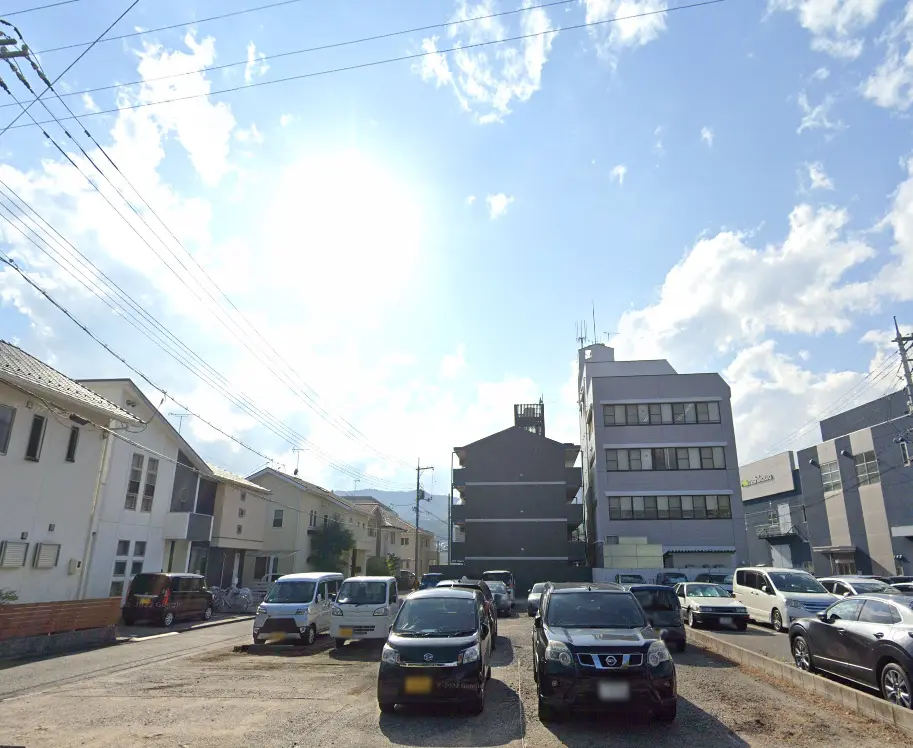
column 195, row 627
column 859, row 702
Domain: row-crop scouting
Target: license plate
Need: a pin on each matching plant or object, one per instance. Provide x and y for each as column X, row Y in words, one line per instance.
column 345, row 633
column 145, row 602
column 418, row 685
column 726, row 620
column 609, row 691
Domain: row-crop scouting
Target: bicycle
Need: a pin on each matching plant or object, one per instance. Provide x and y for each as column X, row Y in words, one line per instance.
column 232, row 597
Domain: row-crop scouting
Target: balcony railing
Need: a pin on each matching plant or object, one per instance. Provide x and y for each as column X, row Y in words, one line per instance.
column 576, row 551
column 458, row 514
column 458, row 551
column 187, row 526
column 459, row 478
column 573, row 478
column 574, row 513
column 777, row 531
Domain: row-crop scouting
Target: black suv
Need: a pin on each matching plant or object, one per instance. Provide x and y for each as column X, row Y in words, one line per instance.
column 593, row 647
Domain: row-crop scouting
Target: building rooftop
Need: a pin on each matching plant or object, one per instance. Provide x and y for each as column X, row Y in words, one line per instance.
column 224, row 476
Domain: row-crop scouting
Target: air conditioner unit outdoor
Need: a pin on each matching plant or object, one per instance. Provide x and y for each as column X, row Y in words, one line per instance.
column 74, row 565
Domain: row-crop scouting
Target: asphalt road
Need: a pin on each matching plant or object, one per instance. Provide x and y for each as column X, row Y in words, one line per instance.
column 192, row 689
column 757, row 638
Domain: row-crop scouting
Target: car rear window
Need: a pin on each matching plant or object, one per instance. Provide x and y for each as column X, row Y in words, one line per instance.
column 594, row 610
column 656, row 600
column 538, row 587
column 497, row 576
column 148, row 584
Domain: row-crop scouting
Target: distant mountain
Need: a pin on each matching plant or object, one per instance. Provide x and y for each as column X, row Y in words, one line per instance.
column 433, row 516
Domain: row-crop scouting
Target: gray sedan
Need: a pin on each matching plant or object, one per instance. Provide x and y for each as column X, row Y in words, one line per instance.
column 535, row 595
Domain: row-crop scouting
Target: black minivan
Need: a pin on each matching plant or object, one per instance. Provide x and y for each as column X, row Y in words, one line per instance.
column 438, row 651
column 664, row 612
column 165, row 598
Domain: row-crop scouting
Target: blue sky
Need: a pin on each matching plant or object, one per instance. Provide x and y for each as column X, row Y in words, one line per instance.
column 730, row 185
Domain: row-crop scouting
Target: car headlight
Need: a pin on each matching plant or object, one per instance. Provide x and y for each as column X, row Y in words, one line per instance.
column 261, row 611
column 470, row 654
column 301, row 612
column 795, row 604
column 336, row 610
column 390, row 655
column 382, row 612
column 558, row 652
column 658, row 653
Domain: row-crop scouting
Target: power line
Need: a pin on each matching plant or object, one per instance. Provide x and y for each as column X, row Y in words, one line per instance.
column 319, row 48
column 375, row 63
column 39, row 7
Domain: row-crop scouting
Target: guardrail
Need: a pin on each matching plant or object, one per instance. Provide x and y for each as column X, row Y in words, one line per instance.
column 39, row 619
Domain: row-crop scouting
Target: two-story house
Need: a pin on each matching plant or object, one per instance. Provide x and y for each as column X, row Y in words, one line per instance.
column 393, row 535
column 56, row 436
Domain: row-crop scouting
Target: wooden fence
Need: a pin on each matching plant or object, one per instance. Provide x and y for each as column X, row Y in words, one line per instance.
column 37, row 619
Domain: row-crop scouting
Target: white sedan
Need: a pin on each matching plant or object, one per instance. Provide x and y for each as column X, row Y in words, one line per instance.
column 704, row 603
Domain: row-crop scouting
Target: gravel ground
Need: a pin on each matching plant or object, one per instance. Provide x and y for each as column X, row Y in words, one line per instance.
column 191, row 691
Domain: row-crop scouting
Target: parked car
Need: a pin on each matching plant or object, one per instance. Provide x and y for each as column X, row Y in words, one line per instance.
column 899, row 580
column 364, row 608
column 904, row 587
column 779, row 596
column 703, row 603
column 165, row 598
column 438, row 650
column 297, row 607
column 867, row 639
column 670, row 578
column 501, row 598
column 629, row 579
column 664, row 612
column 593, row 647
column 846, row 586
column 503, row 576
column 485, row 590
column 430, row 580
column 532, row 600
column 723, row 580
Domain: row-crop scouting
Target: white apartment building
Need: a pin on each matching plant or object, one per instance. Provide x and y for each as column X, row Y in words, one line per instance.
column 53, row 449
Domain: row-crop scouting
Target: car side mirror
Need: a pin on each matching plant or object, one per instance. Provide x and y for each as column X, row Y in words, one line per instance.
column 765, row 589
column 484, row 630
column 333, row 596
column 537, row 622
column 822, row 616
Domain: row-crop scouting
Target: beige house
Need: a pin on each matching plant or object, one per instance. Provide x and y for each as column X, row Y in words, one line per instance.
column 392, row 534
column 297, row 511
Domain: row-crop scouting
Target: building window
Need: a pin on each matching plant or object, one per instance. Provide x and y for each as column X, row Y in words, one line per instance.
column 670, row 507
column 667, row 458
column 36, row 438
column 312, row 518
column 133, row 484
column 241, row 513
column 277, row 517
column 136, row 568
column 117, row 589
column 239, row 529
column 120, row 568
column 71, row 444
column 830, row 476
column 326, row 519
column 123, row 548
column 867, row 468
column 152, row 470
column 7, row 416
column 243, row 495
column 46, row 555
column 655, row 414
column 372, row 533
column 139, row 548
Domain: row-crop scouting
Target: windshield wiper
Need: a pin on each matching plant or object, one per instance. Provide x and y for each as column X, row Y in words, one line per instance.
column 458, row 633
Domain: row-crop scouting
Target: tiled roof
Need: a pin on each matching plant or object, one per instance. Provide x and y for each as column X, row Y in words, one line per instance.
column 223, row 476
column 312, row 487
column 19, row 368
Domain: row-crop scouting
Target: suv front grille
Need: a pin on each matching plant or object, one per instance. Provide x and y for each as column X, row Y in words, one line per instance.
column 604, row 661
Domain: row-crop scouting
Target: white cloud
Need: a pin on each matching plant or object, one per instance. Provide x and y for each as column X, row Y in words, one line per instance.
column 817, row 117
column 488, row 80
column 470, row 200
column 658, row 147
column 256, row 65
column 891, row 85
column 453, row 364
column 497, row 204
column 89, row 103
column 707, row 136
column 286, row 119
column 251, row 135
column 619, row 172
column 614, row 38
column 821, row 74
column 834, row 25
column 818, row 178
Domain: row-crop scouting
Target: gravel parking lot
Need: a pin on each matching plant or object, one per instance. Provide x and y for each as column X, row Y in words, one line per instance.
column 202, row 693
column 761, row 639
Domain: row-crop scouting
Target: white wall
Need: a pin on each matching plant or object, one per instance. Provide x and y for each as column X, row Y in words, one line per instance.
column 34, row 495
column 649, row 575
column 253, row 524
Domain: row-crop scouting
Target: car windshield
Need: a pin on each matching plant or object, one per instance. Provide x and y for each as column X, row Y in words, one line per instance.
column 497, row 588
column 148, row 584
column 630, row 578
column 436, row 616
column 870, row 585
column 362, row 593
column 657, row 600
column 291, row 592
column 537, row 588
column 785, row 581
column 594, row 610
column 674, row 577
column 720, row 578
column 705, row 590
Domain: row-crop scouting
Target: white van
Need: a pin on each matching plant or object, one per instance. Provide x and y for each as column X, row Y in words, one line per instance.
column 297, row 607
column 364, row 609
column 779, row 596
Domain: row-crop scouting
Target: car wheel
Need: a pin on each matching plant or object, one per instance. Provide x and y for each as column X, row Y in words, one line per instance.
column 478, row 703
column 386, row 707
column 129, row 620
column 340, row 643
column 801, row 654
column 529, row 612
column 691, row 621
column 488, row 676
column 310, row 635
column 776, row 620
column 546, row 712
column 167, row 619
column 207, row 614
column 666, row 713
column 742, row 626
column 895, row 686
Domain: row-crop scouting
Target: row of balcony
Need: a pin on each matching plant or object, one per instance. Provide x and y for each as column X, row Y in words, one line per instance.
column 573, row 479
column 572, row 512
column 576, row 551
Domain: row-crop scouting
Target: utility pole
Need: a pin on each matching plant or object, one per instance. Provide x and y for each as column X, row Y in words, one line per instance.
column 298, row 451
column 901, row 341
column 180, row 417
column 419, row 498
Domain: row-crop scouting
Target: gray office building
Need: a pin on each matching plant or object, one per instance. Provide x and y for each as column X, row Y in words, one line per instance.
column 851, row 510
column 517, row 511
column 661, row 478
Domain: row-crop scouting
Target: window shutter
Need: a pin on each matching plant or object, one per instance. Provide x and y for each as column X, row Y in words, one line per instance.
column 12, row 554
column 46, row 555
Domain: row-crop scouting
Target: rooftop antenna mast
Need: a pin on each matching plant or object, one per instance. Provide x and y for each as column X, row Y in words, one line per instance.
column 298, row 452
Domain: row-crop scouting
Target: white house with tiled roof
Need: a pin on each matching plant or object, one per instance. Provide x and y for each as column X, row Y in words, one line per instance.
column 54, row 445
